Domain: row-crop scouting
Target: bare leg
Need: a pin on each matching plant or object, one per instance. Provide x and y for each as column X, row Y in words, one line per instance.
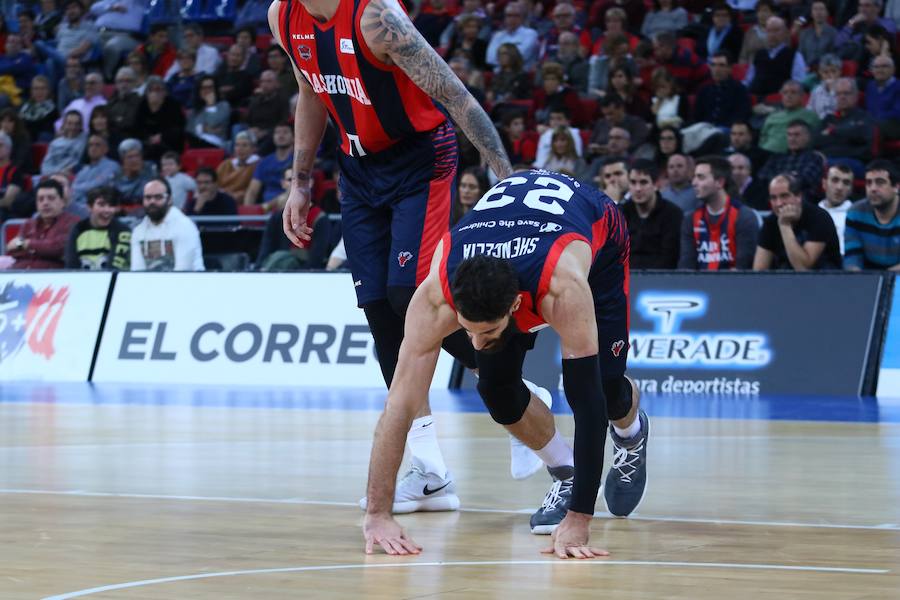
column 536, row 427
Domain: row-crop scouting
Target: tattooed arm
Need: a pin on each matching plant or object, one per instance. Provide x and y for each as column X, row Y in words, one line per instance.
column 393, row 39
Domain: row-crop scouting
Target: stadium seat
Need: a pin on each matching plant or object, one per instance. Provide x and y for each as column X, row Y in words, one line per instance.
column 688, row 43
column 251, row 209
column 11, row 231
column 158, row 12
column 263, row 41
column 848, row 68
column 219, row 10
column 585, row 137
column 192, row 10
column 320, row 190
column 194, row 158
column 38, row 152
column 739, row 71
column 220, row 42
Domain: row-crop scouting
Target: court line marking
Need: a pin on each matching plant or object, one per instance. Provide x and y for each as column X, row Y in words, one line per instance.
column 520, row 511
column 627, row 563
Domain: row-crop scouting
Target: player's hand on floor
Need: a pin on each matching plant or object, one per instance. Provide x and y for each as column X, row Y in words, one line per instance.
column 572, row 538
column 387, row 533
column 294, row 216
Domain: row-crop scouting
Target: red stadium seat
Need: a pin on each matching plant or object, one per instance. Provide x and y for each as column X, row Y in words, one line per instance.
column 38, row 152
column 320, row 190
column 585, row 138
column 220, row 42
column 195, row 158
column 251, row 209
column 739, row 71
column 12, row 230
column 263, row 41
column 848, row 68
column 688, row 43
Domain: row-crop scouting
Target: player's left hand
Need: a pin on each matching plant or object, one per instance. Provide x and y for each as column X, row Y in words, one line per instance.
column 387, row 533
column 572, row 538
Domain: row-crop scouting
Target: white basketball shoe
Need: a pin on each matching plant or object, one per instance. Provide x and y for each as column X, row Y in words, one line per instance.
column 418, row 491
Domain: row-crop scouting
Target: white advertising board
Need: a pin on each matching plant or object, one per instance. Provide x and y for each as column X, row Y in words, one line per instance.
column 49, row 323
column 300, row 329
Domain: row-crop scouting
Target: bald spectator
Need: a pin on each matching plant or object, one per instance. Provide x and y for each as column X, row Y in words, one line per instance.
column 848, row 132
column 800, row 161
column 777, row 63
column 678, row 190
column 165, row 240
column 267, row 108
column 514, row 32
column 773, row 136
column 41, row 243
column 883, row 97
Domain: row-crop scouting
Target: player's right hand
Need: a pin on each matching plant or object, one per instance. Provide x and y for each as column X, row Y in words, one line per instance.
column 294, row 216
column 387, row 533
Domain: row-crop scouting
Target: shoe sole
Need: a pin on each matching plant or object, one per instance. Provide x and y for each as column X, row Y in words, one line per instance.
column 544, row 529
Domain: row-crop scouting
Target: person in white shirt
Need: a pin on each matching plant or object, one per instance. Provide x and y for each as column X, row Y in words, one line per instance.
column 559, row 117
column 165, row 240
column 525, row 38
column 182, row 184
column 208, row 58
column 838, row 183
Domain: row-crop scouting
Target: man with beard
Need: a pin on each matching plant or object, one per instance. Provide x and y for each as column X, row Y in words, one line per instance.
column 101, row 241
column 165, row 240
column 564, row 265
column 870, row 237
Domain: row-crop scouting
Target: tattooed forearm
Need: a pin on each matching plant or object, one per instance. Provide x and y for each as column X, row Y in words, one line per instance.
column 389, row 31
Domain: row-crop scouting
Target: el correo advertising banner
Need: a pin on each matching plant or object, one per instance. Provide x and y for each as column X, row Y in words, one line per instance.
column 49, row 323
column 889, row 373
column 740, row 334
column 240, row 328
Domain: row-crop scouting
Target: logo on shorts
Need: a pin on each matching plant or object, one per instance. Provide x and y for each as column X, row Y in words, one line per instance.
column 305, row 52
column 550, row 228
column 617, row 347
column 347, row 46
column 403, row 258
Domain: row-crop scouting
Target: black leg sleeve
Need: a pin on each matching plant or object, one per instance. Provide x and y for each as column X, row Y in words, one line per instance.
column 584, row 392
column 387, row 331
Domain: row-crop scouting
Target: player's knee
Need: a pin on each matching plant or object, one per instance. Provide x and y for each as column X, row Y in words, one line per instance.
column 506, row 402
column 618, row 392
column 399, row 298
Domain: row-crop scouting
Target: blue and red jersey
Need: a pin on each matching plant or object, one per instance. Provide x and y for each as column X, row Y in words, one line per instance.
column 529, row 218
column 373, row 104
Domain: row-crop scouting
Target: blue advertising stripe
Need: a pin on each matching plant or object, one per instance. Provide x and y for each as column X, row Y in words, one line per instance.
column 890, row 359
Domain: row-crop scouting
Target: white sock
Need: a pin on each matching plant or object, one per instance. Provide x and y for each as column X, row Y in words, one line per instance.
column 423, row 445
column 557, row 452
column 630, row 431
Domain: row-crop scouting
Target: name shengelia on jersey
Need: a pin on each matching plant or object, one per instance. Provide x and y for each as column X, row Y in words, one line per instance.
column 518, row 246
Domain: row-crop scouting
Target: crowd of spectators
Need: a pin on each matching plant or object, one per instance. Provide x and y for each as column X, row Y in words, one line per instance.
column 744, row 134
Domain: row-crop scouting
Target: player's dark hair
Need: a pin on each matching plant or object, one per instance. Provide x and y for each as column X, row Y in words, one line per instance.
column 484, row 288
column 881, row 164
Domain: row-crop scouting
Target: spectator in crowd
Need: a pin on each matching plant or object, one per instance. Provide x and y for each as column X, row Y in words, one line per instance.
column 797, row 235
column 79, row 210
column 883, row 97
column 29, row 31
column 614, row 178
column 723, row 35
column 119, row 22
column 100, row 242
column 123, row 106
column 869, row 16
column 433, row 18
column 208, row 125
column 564, row 23
column 181, row 184
column 654, row 224
column 718, row 235
column 800, row 161
column 562, row 156
column 99, row 125
column 135, row 172
column 209, row 199
column 468, row 8
column 99, row 171
column 870, row 236
column 668, row 142
column 847, row 133
column 681, row 63
column 838, row 184
column 818, row 39
column 614, row 115
column 181, row 85
column 755, row 37
column 158, row 50
column 207, row 57
column 75, row 38
column 634, row 13
column 72, row 85
column 42, row 241
column 165, row 239
column 556, row 92
column 93, row 97
column 559, row 117
column 510, row 82
column 462, row 68
column 12, row 181
column 266, row 182
column 137, row 62
column 724, row 100
column 615, row 53
column 246, row 39
column 235, row 84
column 513, row 32
column 161, row 121
column 520, row 147
column 665, row 16
column 822, row 100
column 741, row 137
column 267, row 107
column 48, row 21
column 17, row 63
column 622, row 84
column 64, row 152
column 277, row 61
column 773, row 136
column 678, row 189
column 235, row 174
column 750, row 191
column 12, row 125
column 878, row 42
column 473, row 184
column 668, row 106
column 615, row 25
column 39, row 111
column 775, row 64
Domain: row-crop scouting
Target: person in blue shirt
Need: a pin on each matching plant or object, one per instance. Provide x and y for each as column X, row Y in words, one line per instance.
column 266, row 182
column 882, row 96
column 872, row 234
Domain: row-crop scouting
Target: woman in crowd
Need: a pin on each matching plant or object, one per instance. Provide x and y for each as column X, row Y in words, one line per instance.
column 210, row 121
column 467, row 43
column 234, row 174
column 511, row 82
column 473, row 183
column 39, row 111
column 668, row 106
column 182, row 84
column 12, row 125
column 563, row 157
column 668, row 142
column 621, row 82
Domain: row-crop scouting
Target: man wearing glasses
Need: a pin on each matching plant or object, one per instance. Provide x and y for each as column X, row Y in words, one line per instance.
column 514, row 32
column 165, row 240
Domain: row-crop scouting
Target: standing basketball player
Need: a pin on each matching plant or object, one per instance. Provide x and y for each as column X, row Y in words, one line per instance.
column 363, row 63
column 538, row 249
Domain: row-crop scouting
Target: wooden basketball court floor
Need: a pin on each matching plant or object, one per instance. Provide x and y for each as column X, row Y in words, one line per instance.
column 175, row 492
